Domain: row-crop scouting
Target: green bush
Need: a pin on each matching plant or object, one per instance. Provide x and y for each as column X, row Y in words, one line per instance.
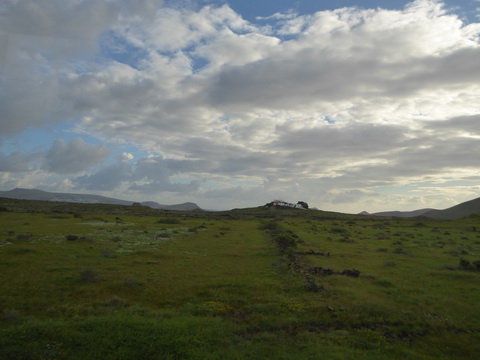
column 338, row 230
column 169, row 221
column 465, row 264
column 476, row 264
column 24, row 237
column 270, row 226
column 88, row 276
column 285, row 242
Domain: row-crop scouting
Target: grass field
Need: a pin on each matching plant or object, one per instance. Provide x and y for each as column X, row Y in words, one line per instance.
column 112, row 282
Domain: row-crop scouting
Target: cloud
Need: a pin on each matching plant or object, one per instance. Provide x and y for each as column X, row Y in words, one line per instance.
column 16, row 162
column 279, row 16
column 346, row 196
column 83, row 19
column 151, row 174
column 126, row 157
column 337, row 142
column 73, row 157
column 43, row 45
column 155, row 187
column 466, row 125
column 106, row 179
column 28, row 104
column 177, row 29
column 159, row 168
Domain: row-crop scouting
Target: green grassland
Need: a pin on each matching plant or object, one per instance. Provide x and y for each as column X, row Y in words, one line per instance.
column 116, row 282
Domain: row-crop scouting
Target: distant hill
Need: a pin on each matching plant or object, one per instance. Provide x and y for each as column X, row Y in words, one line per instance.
column 34, row 194
column 456, row 212
column 188, row 206
column 404, row 213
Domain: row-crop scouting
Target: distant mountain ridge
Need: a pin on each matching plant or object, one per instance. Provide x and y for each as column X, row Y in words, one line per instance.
column 455, row 212
column 188, row 206
column 404, row 213
column 35, row 194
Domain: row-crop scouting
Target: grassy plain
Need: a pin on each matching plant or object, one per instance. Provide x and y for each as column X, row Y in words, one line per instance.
column 112, row 282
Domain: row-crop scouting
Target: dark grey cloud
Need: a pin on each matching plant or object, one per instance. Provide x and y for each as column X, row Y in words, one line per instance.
column 347, row 196
column 291, row 81
column 313, row 76
column 159, row 168
column 146, row 175
column 27, row 104
column 455, row 153
column 459, row 68
column 56, row 18
column 155, row 187
column 337, row 141
column 464, row 125
column 108, row 178
column 17, row 162
column 73, row 157
column 433, row 159
column 83, row 19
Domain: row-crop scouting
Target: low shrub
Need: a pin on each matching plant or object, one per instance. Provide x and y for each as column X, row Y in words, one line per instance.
column 285, row 242
column 467, row 265
column 169, row 221
column 116, row 302
column 270, row 226
column 10, row 315
column 389, row 263
column 129, row 282
column 464, row 263
column 338, row 230
column 24, row 237
column 107, row 253
column 88, row 276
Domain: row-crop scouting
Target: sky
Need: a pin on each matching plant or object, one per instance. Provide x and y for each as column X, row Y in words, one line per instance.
column 348, row 105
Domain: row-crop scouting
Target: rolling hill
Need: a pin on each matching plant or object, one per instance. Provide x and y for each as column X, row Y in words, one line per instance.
column 455, row 212
column 34, row 194
column 403, row 213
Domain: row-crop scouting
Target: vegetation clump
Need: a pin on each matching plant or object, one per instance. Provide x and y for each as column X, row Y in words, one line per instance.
column 170, row 220
column 24, row 237
column 286, row 241
column 311, row 285
column 88, row 276
column 467, row 265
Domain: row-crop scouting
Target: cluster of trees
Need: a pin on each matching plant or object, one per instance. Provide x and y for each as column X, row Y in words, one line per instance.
column 281, row 203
